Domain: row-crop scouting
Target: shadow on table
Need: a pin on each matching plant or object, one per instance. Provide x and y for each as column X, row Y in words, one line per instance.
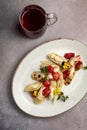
column 19, row 31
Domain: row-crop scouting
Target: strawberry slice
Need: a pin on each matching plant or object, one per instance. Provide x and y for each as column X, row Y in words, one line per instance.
column 69, row 55
column 46, row 83
column 31, row 93
column 46, row 91
column 78, row 65
column 56, row 76
column 50, row 69
column 66, row 73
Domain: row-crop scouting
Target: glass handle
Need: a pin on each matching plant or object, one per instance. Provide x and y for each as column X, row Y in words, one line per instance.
column 51, row 18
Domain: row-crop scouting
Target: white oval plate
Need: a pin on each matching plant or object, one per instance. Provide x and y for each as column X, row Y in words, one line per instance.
column 76, row 90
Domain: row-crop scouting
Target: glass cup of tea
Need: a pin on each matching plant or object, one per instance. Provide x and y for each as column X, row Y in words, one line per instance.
column 34, row 20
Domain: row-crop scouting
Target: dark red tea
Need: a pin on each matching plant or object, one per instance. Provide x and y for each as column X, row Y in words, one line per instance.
column 33, row 19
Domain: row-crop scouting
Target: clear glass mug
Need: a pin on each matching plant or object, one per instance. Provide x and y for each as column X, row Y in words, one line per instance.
column 34, row 20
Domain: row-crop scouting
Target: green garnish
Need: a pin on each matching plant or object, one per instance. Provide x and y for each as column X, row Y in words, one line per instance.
column 45, row 71
column 85, row 67
column 62, row 97
column 45, row 78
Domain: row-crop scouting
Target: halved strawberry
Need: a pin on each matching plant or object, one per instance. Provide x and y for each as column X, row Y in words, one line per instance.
column 66, row 73
column 56, row 76
column 46, row 91
column 78, row 65
column 69, row 55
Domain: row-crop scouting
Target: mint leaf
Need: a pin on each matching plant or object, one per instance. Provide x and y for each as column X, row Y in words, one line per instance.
column 45, row 78
column 85, row 67
column 62, row 97
column 58, row 97
column 44, row 69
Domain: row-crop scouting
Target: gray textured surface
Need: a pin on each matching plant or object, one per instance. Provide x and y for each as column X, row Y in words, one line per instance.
column 14, row 46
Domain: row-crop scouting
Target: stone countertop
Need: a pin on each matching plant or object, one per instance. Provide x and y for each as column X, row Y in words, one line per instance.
column 14, row 45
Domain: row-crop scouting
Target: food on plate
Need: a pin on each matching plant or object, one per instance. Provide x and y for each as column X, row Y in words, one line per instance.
column 85, row 67
column 34, row 86
column 69, row 55
column 54, row 57
column 69, row 64
column 53, row 74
